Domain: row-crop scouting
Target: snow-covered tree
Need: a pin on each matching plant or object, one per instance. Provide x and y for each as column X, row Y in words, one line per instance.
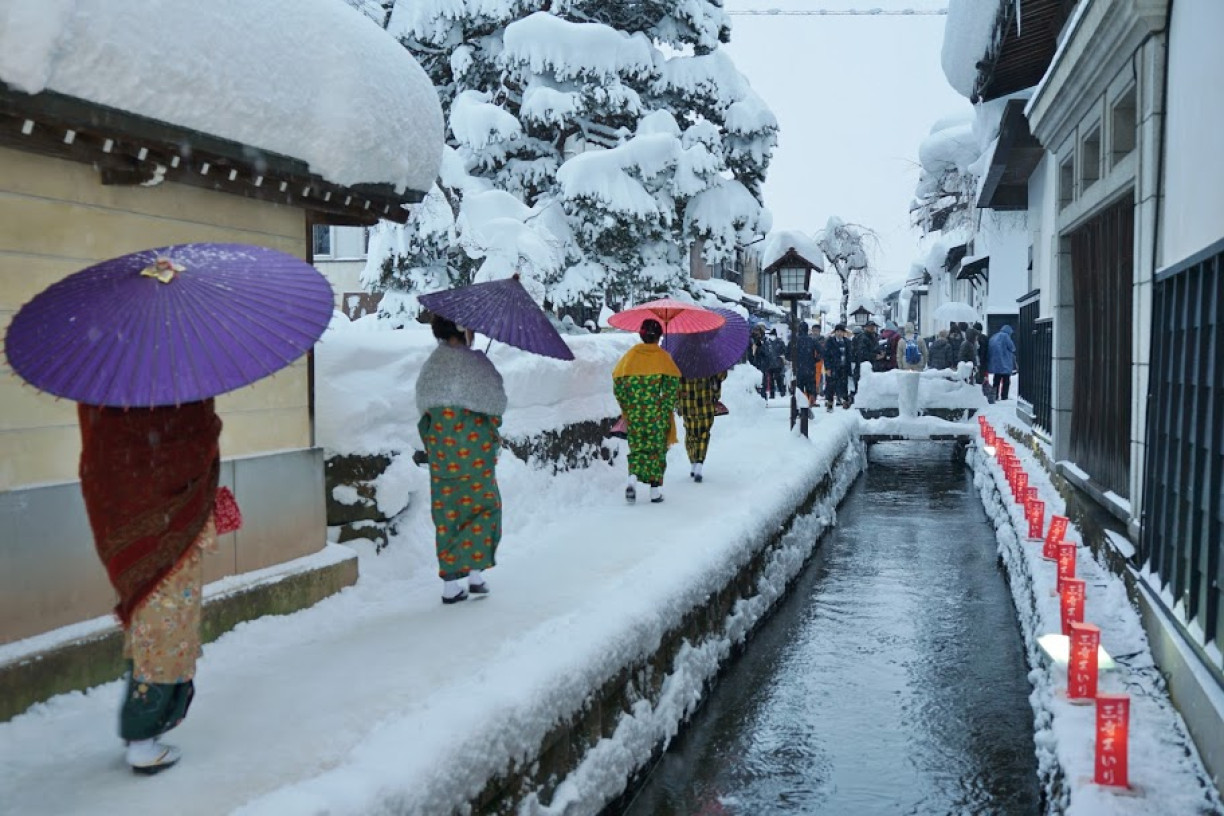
column 844, row 246
column 620, row 156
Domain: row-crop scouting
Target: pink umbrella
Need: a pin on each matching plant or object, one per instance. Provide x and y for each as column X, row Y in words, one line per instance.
column 675, row 316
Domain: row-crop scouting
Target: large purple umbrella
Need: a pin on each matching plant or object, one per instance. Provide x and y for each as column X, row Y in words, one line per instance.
column 502, row 310
column 170, row 325
column 705, row 354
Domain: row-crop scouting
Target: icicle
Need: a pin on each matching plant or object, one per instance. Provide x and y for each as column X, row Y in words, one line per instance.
column 1018, row 31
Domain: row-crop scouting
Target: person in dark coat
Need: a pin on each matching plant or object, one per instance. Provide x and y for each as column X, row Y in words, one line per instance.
column 757, row 347
column 802, row 349
column 837, row 367
column 865, row 348
column 889, row 338
column 968, row 353
column 777, row 361
column 1001, row 362
column 983, row 352
column 941, row 354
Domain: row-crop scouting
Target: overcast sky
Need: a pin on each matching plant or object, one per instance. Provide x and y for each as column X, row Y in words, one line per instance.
column 854, row 97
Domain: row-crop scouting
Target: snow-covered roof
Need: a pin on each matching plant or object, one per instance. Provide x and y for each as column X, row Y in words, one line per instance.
column 314, row 80
column 779, row 241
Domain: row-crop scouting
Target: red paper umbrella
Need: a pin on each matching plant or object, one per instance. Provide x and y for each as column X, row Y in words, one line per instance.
column 675, row 316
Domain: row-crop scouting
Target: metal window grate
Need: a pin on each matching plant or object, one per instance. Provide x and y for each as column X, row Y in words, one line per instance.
column 1035, row 353
column 1184, row 475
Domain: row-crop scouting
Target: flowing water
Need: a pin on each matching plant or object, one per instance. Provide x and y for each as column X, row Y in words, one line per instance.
column 891, row 681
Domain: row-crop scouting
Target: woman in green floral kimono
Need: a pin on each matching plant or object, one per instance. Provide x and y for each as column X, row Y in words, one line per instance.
column 645, row 383
column 461, row 399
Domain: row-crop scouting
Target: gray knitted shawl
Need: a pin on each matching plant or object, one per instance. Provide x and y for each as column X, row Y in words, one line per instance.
column 459, row 377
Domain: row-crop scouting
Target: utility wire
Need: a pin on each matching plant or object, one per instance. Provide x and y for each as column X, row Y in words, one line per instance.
column 875, row 12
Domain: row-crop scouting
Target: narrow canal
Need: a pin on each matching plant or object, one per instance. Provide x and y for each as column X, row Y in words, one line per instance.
column 891, row 681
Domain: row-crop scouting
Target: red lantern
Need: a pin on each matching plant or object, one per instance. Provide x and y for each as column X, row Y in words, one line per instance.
column 1066, row 562
column 1020, row 485
column 1082, row 667
column 1054, row 537
column 1112, row 727
column 1071, row 603
column 1035, row 510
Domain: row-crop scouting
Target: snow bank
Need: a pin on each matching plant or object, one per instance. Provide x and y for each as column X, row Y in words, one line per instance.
column 311, row 79
column 366, row 385
column 937, row 389
column 1165, row 768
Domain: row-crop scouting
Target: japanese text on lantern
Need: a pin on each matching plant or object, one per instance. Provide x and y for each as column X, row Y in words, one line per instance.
column 1082, row 668
column 1112, row 723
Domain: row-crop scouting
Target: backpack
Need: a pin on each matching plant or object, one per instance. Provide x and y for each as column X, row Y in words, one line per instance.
column 913, row 355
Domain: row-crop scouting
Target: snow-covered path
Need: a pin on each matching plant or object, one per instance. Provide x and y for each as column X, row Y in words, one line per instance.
column 381, row 694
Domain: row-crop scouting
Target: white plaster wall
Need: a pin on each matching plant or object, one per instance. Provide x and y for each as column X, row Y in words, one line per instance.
column 1043, row 230
column 1004, row 235
column 1193, row 215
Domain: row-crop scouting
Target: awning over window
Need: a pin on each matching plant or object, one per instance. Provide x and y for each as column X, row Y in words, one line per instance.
column 975, row 269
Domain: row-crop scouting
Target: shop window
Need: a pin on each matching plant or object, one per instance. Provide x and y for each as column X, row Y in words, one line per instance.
column 1122, row 126
column 1090, row 158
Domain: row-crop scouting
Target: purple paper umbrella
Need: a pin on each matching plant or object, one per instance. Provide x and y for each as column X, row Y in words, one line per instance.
column 170, row 325
column 705, row 354
column 502, row 310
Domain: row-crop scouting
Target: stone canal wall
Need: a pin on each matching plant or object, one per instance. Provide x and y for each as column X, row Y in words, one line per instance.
column 635, row 711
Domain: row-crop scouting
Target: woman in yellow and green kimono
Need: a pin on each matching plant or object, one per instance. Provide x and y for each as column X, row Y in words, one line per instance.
column 646, row 382
column 461, row 399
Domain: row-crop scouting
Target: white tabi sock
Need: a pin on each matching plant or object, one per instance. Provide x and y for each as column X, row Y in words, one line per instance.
column 475, row 578
column 697, row 469
column 450, row 589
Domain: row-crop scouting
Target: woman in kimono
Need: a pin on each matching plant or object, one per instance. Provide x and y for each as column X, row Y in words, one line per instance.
column 646, row 382
column 149, row 479
column 695, row 403
column 461, row 399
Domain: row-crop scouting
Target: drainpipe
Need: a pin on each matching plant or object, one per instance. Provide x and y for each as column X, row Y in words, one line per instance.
column 1135, row 527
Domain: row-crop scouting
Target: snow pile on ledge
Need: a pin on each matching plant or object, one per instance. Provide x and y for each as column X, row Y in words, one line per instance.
column 1164, row 764
column 968, row 35
column 311, row 79
column 937, row 389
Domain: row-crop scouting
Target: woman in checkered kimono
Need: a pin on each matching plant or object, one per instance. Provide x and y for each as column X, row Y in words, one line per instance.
column 645, row 382
column 461, row 399
column 696, row 407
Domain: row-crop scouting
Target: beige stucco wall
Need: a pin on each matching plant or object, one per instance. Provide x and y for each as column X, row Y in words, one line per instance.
column 57, row 218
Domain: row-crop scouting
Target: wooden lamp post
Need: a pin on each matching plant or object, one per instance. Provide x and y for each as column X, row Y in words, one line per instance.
column 794, row 279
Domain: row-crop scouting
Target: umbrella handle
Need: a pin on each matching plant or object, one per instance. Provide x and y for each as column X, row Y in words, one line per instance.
column 489, row 346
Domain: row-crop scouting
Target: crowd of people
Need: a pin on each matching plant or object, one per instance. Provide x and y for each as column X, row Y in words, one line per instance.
column 830, row 366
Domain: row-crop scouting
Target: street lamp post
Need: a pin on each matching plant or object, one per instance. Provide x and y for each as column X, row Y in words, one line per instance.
column 794, row 279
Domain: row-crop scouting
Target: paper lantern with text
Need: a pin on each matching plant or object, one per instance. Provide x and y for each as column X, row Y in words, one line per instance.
column 1066, row 562
column 1082, row 667
column 1112, row 735
column 1071, row 603
column 1054, row 537
column 1020, row 485
column 1035, row 512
